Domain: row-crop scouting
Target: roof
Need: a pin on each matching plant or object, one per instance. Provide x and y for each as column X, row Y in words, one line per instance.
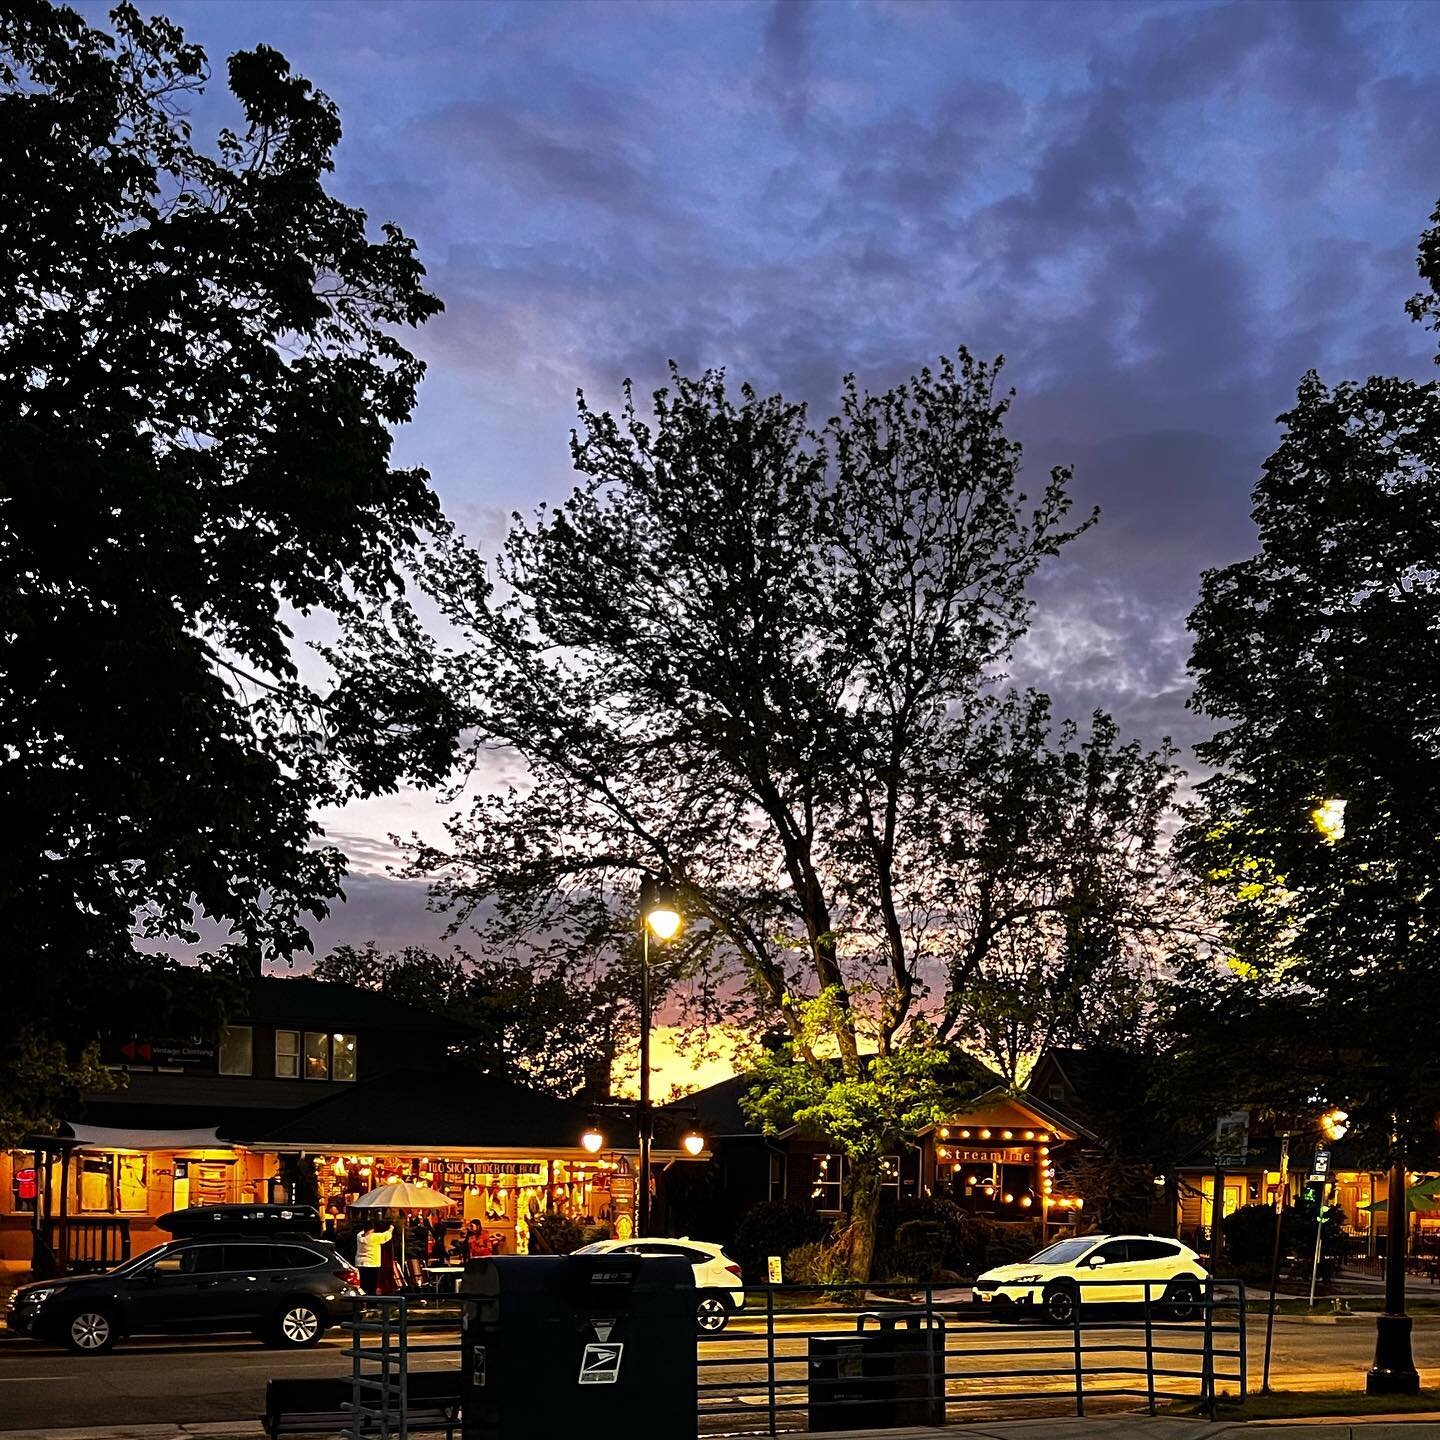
column 417, row 1111
column 717, row 1110
column 326, row 1005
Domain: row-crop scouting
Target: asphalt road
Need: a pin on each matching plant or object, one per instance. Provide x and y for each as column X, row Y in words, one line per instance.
column 192, row 1379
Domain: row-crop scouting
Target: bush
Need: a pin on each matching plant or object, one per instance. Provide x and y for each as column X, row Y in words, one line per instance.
column 774, row 1227
column 555, row 1235
column 822, row 1262
column 919, row 1251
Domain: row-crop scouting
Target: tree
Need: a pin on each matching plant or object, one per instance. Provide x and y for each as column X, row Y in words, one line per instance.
column 1318, row 830
column 762, row 658
column 561, row 1035
column 200, row 363
column 1059, row 867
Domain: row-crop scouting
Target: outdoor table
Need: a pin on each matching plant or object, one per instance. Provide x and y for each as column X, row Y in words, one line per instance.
column 446, row 1272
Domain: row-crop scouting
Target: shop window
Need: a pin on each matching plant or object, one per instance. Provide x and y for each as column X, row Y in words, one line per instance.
column 24, row 1182
column 287, row 1054
column 890, row 1176
column 97, row 1182
column 237, row 1050
column 132, row 1183
column 827, row 1181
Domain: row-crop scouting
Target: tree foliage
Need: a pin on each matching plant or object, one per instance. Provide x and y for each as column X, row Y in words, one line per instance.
column 1320, row 829
column 200, row 364
column 763, row 658
column 562, row 1036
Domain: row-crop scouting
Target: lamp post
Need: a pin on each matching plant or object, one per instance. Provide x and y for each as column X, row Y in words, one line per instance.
column 660, row 914
column 1393, row 1372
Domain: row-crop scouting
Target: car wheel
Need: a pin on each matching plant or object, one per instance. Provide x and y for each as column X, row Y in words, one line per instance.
column 90, row 1332
column 1061, row 1304
column 712, row 1314
column 298, row 1325
column 1181, row 1301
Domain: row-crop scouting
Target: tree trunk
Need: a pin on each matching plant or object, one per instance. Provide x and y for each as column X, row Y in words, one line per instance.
column 864, row 1214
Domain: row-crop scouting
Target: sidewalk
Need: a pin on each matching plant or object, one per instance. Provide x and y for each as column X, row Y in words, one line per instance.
column 1112, row 1427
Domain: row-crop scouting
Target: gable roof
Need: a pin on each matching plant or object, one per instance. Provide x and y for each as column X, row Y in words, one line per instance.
column 326, row 1005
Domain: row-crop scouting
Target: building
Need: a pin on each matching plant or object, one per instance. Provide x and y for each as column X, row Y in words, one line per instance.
column 317, row 1093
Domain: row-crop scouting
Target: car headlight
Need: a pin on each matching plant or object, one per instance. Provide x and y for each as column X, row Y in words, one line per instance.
column 37, row 1297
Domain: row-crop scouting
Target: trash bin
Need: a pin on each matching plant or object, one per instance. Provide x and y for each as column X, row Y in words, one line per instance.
column 879, row 1380
column 563, row 1344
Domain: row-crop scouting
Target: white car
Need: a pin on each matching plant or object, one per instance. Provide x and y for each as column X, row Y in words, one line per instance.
column 719, row 1288
column 1054, row 1281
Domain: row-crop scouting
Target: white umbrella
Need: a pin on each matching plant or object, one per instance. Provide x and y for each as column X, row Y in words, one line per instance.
column 402, row 1195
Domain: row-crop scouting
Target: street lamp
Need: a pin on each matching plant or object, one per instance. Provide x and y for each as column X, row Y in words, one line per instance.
column 1393, row 1372
column 693, row 1142
column 660, row 916
column 592, row 1141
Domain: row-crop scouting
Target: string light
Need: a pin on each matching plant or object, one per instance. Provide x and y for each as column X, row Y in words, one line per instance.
column 984, row 1134
column 1007, row 1134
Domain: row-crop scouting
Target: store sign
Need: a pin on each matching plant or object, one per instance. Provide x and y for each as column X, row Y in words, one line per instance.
column 167, row 1052
column 1232, row 1140
column 990, row 1157
column 471, row 1169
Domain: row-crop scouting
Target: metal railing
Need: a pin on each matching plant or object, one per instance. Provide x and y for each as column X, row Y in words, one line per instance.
column 397, row 1328
column 840, row 1357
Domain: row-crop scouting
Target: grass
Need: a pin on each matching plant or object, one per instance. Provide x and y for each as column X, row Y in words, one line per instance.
column 1418, row 1305
column 1299, row 1404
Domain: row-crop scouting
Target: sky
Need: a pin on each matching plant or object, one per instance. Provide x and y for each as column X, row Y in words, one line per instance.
column 1162, row 214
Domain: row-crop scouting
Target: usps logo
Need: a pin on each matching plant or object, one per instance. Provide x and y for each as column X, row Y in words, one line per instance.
column 600, row 1364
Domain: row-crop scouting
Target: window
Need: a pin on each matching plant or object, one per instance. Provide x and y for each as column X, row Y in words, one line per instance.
column 1152, row 1250
column 237, row 1050
column 113, row 1182
column 342, row 1057
column 1113, row 1252
column 329, row 1057
column 890, row 1175
column 1057, row 1092
column 777, row 1177
column 827, row 1181
column 190, row 1260
column 287, row 1054
column 317, row 1056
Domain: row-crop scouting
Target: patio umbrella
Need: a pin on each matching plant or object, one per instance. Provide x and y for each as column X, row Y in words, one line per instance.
column 1421, row 1197
column 405, row 1198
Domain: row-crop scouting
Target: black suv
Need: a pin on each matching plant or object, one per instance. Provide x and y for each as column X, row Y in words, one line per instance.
column 282, row 1287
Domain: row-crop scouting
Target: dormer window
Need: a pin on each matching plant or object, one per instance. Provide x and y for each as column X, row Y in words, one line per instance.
column 329, row 1056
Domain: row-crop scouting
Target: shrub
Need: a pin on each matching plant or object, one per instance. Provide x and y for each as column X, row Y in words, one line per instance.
column 919, row 1251
column 774, row 1227
column 555, row 1235
column 822, row 1262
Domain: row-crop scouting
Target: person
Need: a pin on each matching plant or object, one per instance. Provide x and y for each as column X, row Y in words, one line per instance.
column 477, row 1242
column 369, row 1254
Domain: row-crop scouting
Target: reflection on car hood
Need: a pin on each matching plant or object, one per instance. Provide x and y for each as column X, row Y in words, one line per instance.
column 64, row 1282
column 1009, row 1272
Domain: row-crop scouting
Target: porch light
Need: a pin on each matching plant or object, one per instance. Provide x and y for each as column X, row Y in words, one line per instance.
column 592, row 1140
column 694, row 1142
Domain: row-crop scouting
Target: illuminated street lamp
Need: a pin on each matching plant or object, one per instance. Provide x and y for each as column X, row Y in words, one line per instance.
column 660, row 916
column 693, row 1142
column 592, row 1141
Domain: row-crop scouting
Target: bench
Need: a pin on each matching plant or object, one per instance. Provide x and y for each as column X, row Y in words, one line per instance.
column 320, row 1407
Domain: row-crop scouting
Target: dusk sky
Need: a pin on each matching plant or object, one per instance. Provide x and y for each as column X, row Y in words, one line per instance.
column 1161, row 214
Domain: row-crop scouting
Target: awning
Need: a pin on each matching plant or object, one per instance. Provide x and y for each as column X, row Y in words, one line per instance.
column 106, row 1137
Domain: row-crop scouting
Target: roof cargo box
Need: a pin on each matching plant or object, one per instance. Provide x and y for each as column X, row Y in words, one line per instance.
column 267, row 1219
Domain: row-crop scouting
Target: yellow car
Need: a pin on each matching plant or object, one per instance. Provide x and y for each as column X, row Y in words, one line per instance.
column 1099, row 1270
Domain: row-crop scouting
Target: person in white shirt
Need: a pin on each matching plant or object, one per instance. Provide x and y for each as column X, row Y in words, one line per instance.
column 368, row 1246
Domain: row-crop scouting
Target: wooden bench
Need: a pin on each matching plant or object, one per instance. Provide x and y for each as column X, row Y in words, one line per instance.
column 319, row 1407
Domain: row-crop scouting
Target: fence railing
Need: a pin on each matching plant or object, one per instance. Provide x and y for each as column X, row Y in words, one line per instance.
column 824, row 1358
column 847, row 1357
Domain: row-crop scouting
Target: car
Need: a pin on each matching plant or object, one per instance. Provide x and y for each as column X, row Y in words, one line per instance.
column 719, row 1285
column 1054, row 1281
column 284, row 1288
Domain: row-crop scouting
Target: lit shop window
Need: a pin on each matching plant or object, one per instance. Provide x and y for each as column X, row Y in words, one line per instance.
column 827, row 1182
column 342, row 1057
column 287, row 1054
column 890, row 1175
column 113, row 1182
column 237, row 1050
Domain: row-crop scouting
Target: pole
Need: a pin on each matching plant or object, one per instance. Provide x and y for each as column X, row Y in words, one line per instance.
column 1280, row 1202
column 642, row 1201
column 1217, row 1211
column 1393, row 1371
column 1319, row 1237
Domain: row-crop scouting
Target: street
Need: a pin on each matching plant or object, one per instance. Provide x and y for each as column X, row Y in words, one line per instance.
column 224, row 1379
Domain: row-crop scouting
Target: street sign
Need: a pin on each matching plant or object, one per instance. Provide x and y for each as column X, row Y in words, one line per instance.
column 775, row 1269
column 1320, row 1168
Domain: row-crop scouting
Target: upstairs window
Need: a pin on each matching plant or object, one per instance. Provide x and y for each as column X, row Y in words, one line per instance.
column 287, row 1054
column 890, row 1176
column 237, row 1050
column 329, row 1056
